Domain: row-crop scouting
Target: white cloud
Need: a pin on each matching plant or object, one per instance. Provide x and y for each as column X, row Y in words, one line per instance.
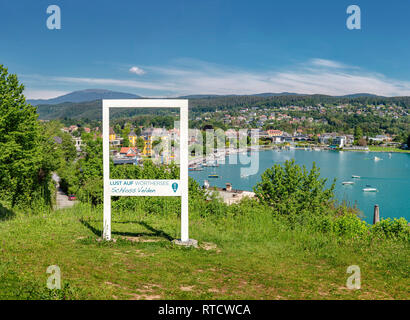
column 315, row 76
column 327, row 63
column 137, row 71
column 43, row 94
column 117, row 83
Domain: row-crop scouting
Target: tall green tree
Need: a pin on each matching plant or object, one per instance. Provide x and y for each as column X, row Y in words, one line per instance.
column 358, row 134
column 291, row 189
column 124, row 133
column 25, row 174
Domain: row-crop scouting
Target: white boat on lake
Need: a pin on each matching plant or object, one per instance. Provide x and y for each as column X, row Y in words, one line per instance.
column 347, row 182
column 369, row 189
column 377, row 159
column 356, row 177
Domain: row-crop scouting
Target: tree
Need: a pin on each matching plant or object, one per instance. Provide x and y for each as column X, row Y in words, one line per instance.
column 290, row 189
column 124, row 133
column 140, row 143
column 25, row 173
column 362, row 142
column 358, row 133
column 408, row 141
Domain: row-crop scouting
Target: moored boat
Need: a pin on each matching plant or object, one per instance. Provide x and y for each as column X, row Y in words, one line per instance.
column 369, row 189
column 347, row 182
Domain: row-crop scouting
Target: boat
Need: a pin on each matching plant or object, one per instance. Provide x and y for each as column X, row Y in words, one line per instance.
column 347, row 182
column 356, row 177
column 369, row 189
column 214, row 176
column 389, row 155
column 211, row 164
column 195, row 169
column 377, row 159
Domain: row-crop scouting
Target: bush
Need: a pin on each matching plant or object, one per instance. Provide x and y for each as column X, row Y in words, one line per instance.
column 350, row 225
column 214, row 207
column 291, row 189
column 392, row 229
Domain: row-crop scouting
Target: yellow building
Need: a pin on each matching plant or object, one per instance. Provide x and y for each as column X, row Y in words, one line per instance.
column 112, row 134
column 147, row 146
column 132, row 138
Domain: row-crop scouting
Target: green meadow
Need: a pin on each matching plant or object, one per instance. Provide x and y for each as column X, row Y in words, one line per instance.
column 240, row 256
column 387, row 149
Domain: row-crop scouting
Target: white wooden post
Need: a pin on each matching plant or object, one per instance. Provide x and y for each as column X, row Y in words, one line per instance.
column 184, row 171
column 106, row 168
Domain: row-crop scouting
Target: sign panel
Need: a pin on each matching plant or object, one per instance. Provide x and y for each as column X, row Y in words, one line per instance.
column 161, row 188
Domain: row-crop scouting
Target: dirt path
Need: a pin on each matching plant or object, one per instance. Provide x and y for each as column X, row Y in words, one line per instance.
column 61, row 198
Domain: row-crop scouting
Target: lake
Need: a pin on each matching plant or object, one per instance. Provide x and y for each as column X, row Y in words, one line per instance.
column 390, row 175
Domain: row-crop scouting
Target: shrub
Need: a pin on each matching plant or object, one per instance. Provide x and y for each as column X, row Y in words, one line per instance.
column 291, row 189
column 392, row 229
column 349, row 225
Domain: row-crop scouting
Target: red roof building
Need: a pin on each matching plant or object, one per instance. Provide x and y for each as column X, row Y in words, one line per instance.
column 128, row 152
column 274, row 133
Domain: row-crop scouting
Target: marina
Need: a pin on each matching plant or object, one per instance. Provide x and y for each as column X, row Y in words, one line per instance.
column 354, row 172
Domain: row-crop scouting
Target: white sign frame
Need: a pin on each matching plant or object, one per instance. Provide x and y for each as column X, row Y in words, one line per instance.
column 182, row 190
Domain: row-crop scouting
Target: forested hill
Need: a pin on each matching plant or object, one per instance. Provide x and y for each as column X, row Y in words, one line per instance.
column 92, row 109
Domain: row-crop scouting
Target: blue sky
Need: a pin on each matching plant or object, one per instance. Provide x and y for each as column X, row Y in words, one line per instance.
column 170, row 48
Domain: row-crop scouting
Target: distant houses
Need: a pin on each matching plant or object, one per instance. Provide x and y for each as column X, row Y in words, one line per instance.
column 156, row 145
column 381, row 138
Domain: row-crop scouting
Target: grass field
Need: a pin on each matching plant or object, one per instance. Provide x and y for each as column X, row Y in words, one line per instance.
column 387, row 149
column 251, row 257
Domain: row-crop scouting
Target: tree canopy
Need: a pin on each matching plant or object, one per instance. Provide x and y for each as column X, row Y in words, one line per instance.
column 291, row 189
column 25, row 171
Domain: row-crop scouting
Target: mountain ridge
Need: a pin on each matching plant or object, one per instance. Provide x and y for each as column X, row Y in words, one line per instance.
column 204, row 103
column 86, row 95
column 89, row 95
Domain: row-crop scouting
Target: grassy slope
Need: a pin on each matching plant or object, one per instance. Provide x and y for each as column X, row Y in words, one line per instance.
column 255, row 258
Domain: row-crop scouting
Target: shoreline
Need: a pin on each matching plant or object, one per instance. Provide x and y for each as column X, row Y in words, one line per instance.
column 226, row 152
column 383, row 151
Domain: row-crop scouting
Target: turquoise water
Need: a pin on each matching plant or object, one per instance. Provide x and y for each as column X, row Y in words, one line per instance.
column 391, row 177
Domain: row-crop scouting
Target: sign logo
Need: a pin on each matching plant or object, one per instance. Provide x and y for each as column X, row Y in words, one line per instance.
column 175, row 186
